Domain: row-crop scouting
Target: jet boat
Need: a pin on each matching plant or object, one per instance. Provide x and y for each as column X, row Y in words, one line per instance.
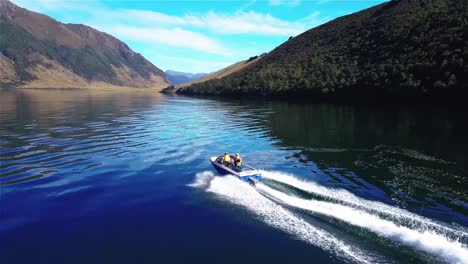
column 248, row 174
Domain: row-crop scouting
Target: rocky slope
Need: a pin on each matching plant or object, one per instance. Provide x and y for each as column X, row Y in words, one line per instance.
column 38, row 51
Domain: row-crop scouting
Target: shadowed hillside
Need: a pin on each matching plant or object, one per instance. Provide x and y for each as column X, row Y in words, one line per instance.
column 399, row 50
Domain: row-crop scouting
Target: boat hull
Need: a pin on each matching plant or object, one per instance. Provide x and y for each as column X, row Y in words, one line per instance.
column 252, row 176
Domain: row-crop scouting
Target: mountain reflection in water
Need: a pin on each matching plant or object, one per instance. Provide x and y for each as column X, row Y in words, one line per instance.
column 119, row 176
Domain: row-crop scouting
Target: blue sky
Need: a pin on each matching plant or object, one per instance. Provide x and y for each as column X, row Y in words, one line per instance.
column 198, row 36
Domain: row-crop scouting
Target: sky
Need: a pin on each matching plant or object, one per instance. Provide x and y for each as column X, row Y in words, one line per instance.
column 195, row 35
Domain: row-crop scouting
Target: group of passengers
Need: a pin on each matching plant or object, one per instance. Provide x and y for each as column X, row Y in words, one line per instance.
column 235, row 163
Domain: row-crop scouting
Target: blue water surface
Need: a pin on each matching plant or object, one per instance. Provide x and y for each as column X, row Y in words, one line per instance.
column 105, row 177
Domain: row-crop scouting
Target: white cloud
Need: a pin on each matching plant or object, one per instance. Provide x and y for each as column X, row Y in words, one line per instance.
column 201, row 32
column 314, row 19
column 251, row 23
column 240, row 22
column 40, row 4
column 150, row 17
column 191, row 65
column 285, row 2
column 173, row 37
column 276, row 2
column 54, row 5
column 248, row 4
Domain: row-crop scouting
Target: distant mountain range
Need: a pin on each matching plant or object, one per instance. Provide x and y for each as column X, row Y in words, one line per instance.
column 236, row 67
column 38, row 51
column 176, row 77
column 398, row 50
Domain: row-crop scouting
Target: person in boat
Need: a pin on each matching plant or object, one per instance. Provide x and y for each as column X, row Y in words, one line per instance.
column 227, row 160
column 238, row 163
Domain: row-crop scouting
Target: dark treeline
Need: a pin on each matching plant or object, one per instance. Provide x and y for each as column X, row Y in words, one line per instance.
column 399, row 50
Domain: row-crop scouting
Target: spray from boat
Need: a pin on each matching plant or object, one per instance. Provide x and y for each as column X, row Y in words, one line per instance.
column 392, row 213
column 278, row 208
column 231, row 189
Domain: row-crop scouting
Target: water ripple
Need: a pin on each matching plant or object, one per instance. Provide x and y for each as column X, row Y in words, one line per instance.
column 165, row 134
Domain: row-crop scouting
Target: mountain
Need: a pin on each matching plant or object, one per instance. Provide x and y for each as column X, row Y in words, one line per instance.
column 226, row 71
column 176, row 77
column 38, row 51
column 215, row 75
column 399, row 50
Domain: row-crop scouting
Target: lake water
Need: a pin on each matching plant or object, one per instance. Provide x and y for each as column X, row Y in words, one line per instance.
column 109, row 177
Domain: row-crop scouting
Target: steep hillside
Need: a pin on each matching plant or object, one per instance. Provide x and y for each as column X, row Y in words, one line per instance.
column 47, row 53
column 236, row 67
column 176, row 77
column 402, row 49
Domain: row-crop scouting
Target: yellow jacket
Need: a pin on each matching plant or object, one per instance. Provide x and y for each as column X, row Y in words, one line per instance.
column 238, row 161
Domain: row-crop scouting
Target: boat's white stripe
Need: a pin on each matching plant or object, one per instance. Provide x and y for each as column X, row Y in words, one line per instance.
column 241, row 174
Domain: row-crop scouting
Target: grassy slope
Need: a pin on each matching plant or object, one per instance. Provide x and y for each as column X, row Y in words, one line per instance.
column 399, row 50
column 236, row 67
column 92, row 55
column 18, row 44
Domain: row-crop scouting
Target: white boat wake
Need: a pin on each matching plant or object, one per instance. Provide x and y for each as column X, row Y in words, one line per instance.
column 344, row 197
column 233, row 190
column 390, row 222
